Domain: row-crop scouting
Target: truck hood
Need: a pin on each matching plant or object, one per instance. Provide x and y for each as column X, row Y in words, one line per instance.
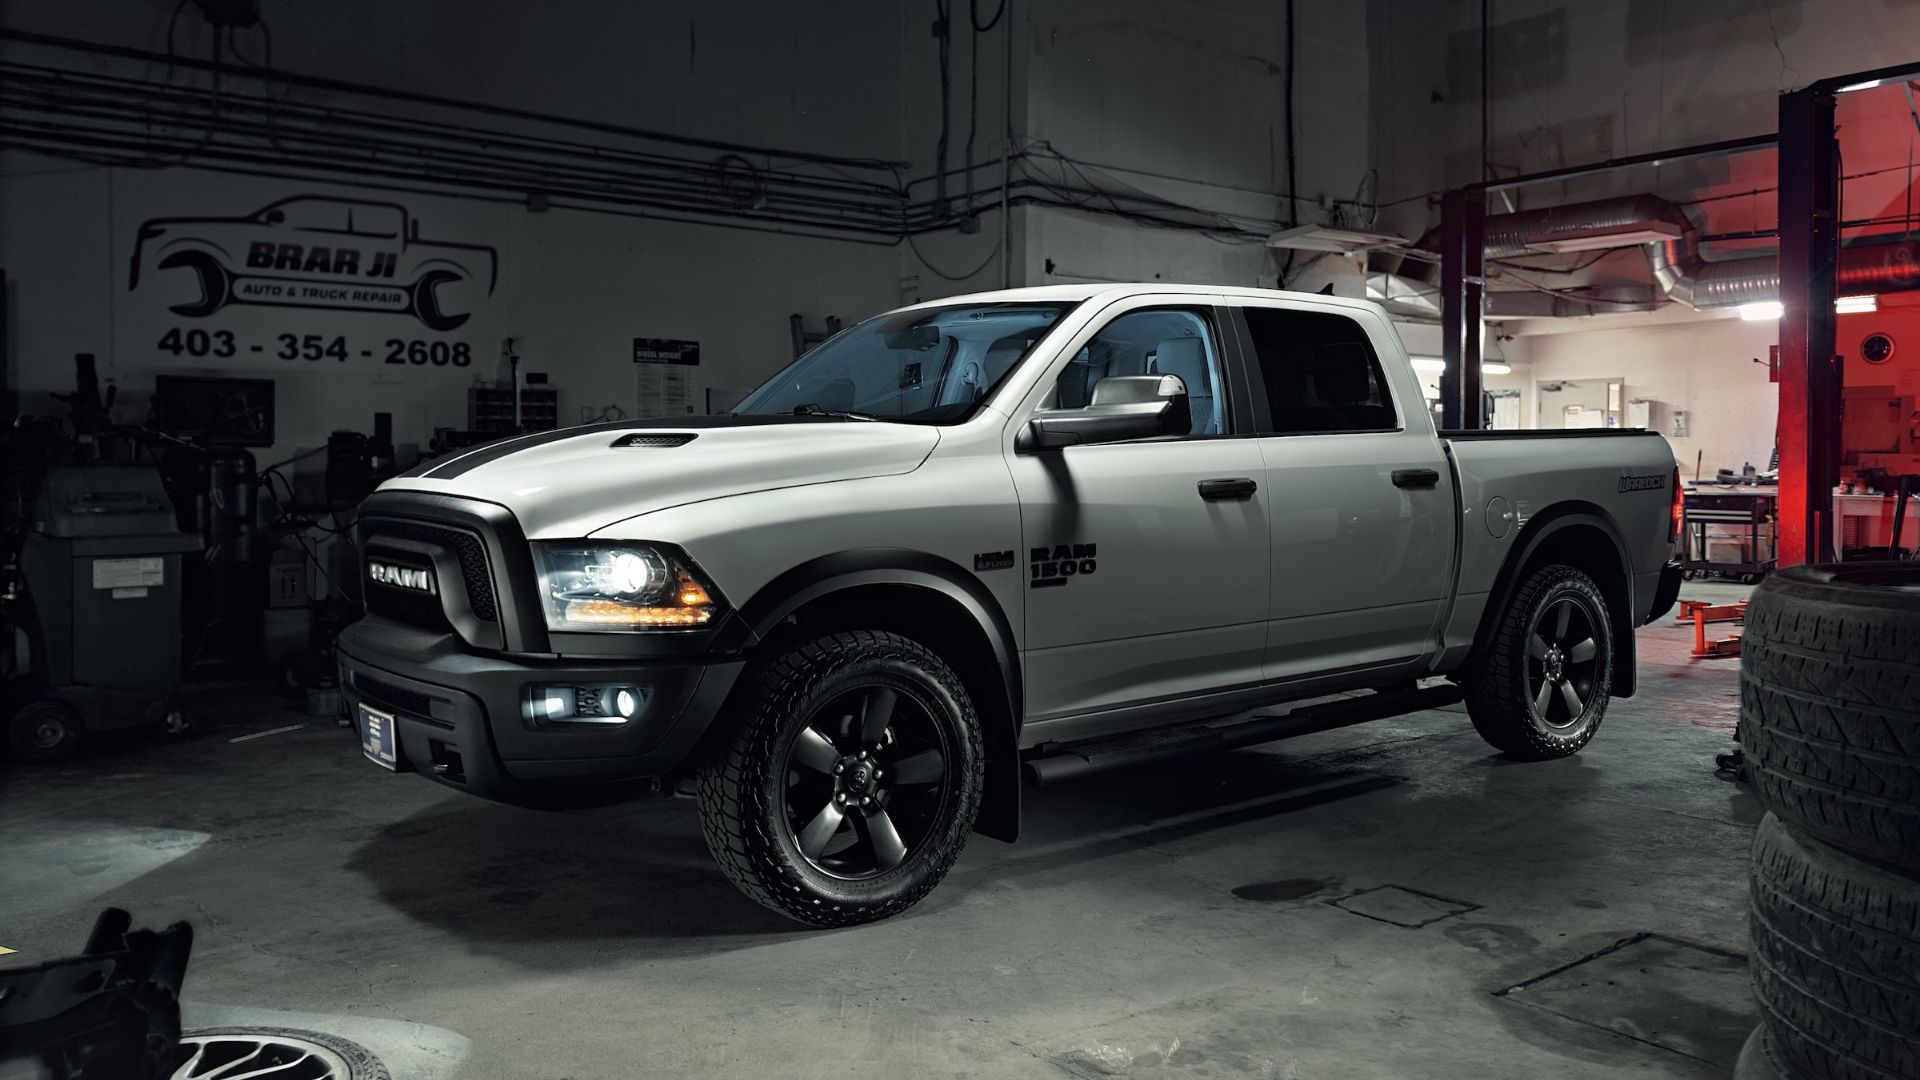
column 568, row 483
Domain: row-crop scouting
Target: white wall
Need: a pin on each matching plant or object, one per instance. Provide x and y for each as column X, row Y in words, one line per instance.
column 574, row 287
column 1704, row 366
column 1187, row 102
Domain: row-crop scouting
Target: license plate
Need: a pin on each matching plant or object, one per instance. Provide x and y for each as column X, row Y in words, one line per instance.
column 376, row 737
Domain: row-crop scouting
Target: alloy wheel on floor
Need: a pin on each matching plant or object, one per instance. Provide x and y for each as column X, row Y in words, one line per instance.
column 273, row 1054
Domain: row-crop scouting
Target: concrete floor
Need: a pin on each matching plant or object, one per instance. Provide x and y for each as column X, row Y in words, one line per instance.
column 1391, row 900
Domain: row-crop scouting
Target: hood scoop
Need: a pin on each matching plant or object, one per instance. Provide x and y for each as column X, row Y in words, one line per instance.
column 653, row 440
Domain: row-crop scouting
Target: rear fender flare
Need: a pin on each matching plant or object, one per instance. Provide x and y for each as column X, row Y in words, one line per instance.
column 1541, row 528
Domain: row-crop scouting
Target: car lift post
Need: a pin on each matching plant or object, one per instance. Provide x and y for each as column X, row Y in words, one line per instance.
column 1810, row 400
column 1463, row 249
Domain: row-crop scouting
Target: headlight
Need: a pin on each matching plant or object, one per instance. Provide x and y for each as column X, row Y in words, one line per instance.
column 588, row 586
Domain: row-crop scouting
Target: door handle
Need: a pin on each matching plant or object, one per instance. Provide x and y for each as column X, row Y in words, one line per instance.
column 1238, row 487
column 1415, row 478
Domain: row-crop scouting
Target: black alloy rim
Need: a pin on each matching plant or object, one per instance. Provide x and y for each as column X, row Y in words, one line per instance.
column 865, row 782
column 1563, row 663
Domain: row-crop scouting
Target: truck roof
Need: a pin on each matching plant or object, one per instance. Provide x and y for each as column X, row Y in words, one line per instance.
column 1118, row 289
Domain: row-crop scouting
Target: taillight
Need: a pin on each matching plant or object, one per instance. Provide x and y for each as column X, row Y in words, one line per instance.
column 1679, row 509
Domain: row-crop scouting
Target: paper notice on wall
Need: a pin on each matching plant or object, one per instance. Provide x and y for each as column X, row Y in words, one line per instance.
column 665, row 381
column 129, row 573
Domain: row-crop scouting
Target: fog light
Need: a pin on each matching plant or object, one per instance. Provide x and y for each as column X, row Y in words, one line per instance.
column 592, row 703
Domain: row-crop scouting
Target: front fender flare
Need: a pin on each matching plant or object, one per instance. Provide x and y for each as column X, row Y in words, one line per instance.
column 817, row 578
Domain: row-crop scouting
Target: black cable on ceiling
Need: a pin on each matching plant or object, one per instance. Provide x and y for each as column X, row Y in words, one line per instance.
column 973, row 88
column 1293, row 183
column 943, row 35
column 942, row 274
column 342, row 86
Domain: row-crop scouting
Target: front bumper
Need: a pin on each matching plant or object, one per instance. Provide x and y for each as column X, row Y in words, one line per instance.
column 460, row 718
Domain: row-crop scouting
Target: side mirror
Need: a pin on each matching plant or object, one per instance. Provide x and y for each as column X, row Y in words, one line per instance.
column 1124, row 407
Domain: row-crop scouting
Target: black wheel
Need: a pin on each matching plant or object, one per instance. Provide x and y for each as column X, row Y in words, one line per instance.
column 1542, row 688
column 1830, row 704
column 1835, row 960
column 851, row 783
column 216, row 285
column 426, row 302
column 45, row 730
column 1688, row 575
column 273, row 1054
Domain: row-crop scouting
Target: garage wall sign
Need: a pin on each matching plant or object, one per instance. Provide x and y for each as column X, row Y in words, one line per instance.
column 664, row 387
column 251, row 288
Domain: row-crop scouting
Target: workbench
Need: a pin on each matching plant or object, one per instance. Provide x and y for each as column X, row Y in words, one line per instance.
column 1745, row 507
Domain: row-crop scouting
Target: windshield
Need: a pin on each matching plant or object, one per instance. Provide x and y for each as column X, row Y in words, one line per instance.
column 929, row 365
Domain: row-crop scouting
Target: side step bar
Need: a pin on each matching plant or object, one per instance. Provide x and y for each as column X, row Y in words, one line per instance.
column 1087, row 758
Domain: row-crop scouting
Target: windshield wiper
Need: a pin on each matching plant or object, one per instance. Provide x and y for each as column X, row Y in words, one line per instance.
column 812, row 409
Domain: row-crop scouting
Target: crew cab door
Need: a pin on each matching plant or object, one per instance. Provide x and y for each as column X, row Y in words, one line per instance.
column 1358, row 489
column 1146, row 561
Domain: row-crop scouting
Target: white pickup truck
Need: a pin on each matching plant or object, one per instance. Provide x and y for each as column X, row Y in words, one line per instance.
column 1034, row 532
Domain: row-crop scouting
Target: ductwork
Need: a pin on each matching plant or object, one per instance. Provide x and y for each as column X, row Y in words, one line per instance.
column 1677, row 265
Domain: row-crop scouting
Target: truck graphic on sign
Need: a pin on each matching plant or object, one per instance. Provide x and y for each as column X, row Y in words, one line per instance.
column 314, row 251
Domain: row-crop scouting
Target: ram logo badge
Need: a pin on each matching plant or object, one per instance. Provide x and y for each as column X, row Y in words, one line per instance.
column 1053, row 566
column 401, row 577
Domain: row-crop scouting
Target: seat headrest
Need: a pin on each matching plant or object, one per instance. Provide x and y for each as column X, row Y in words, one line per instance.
column 1187, row 358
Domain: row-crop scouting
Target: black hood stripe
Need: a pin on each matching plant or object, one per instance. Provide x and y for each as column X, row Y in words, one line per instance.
column 487, row 453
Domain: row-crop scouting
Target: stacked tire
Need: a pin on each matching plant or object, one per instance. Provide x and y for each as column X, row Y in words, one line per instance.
column 1830, row 722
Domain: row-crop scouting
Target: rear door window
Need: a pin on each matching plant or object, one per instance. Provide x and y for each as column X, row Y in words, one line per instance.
column 1321, row 372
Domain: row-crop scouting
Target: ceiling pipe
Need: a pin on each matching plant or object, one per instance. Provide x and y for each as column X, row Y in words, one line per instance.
column 1679, row 269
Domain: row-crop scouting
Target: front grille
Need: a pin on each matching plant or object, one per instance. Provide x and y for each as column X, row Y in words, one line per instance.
column 465, row 545
column 421, row 609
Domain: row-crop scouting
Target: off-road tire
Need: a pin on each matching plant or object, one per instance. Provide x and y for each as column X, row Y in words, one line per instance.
column 27, row 731
column 1836, row 960
column 1830, row 704
column 742, row 804
column 1497, row 692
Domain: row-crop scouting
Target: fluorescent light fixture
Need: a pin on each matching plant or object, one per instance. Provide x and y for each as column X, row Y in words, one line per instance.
column 1327, row 238
column 1572, row 240
column 1435, row 363
column 1868, row 85
column 1765, row 310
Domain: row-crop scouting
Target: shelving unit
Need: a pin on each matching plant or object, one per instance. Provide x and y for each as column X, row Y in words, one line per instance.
column 490, row 409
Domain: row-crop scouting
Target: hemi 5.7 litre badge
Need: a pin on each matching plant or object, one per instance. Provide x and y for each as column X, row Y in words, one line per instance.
column 401, row 577
column 1056, row 565
column 992, row 560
